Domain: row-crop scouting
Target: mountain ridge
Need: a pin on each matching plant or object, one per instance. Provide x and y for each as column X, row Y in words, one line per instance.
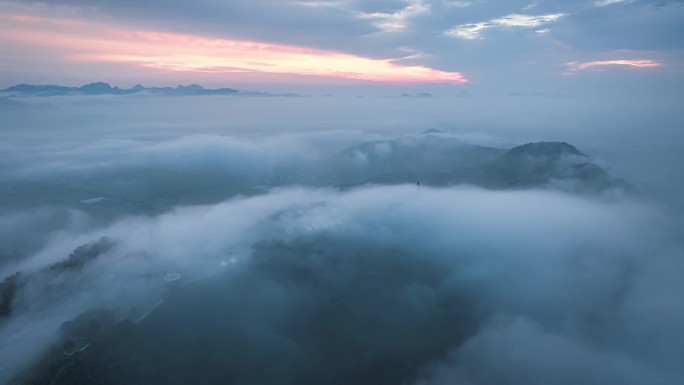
column 439, row 161
column 102, row 88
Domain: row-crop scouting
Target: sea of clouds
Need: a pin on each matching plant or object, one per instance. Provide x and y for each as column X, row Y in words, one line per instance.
column 309, row 283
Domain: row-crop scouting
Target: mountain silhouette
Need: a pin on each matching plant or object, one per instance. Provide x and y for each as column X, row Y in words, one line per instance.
column 101, row 88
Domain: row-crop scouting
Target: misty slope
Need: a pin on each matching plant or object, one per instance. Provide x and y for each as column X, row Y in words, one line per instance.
column 235, row 328
column 10, row 103
column 151, row 186
column 544, row 163
column 154, row 179
column 404, row 160
column 376, row 285
column 440, row 161
column 15, row 289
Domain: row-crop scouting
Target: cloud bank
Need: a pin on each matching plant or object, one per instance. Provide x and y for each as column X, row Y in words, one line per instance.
column 214, row 273
column 393, row 284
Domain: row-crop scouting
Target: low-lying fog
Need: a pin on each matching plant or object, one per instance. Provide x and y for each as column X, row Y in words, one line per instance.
column 287, row 240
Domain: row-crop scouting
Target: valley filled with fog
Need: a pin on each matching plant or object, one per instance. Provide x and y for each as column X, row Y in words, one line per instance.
column 304, row 240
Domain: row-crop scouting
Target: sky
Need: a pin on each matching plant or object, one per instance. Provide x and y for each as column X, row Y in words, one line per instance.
column 560, row 48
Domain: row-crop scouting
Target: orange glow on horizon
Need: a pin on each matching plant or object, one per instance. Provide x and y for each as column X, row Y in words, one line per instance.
column 86, row 41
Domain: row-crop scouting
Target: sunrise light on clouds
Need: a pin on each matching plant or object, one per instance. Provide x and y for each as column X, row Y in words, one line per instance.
column 426, row 44
column 194, row 53
column 603, row 64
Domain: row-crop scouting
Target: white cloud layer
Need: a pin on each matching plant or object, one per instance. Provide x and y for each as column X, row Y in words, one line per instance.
column 378, row 284
column 554, row 263
column 474, row 31
column 603, row 3
column 399, row 20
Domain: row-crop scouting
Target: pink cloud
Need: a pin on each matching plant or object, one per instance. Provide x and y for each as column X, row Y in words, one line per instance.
column 85, row 41
column 580, row 66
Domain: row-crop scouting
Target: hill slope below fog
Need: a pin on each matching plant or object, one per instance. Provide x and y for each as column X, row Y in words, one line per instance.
column 440, row 161
column 432, row 160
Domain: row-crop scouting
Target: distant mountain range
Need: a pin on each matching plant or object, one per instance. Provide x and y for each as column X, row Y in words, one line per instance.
column 101, row 88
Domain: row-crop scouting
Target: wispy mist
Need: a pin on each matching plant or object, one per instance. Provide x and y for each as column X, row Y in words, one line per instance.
column 255, row 241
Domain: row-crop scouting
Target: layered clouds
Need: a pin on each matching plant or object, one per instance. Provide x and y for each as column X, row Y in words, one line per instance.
column 358, row 285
